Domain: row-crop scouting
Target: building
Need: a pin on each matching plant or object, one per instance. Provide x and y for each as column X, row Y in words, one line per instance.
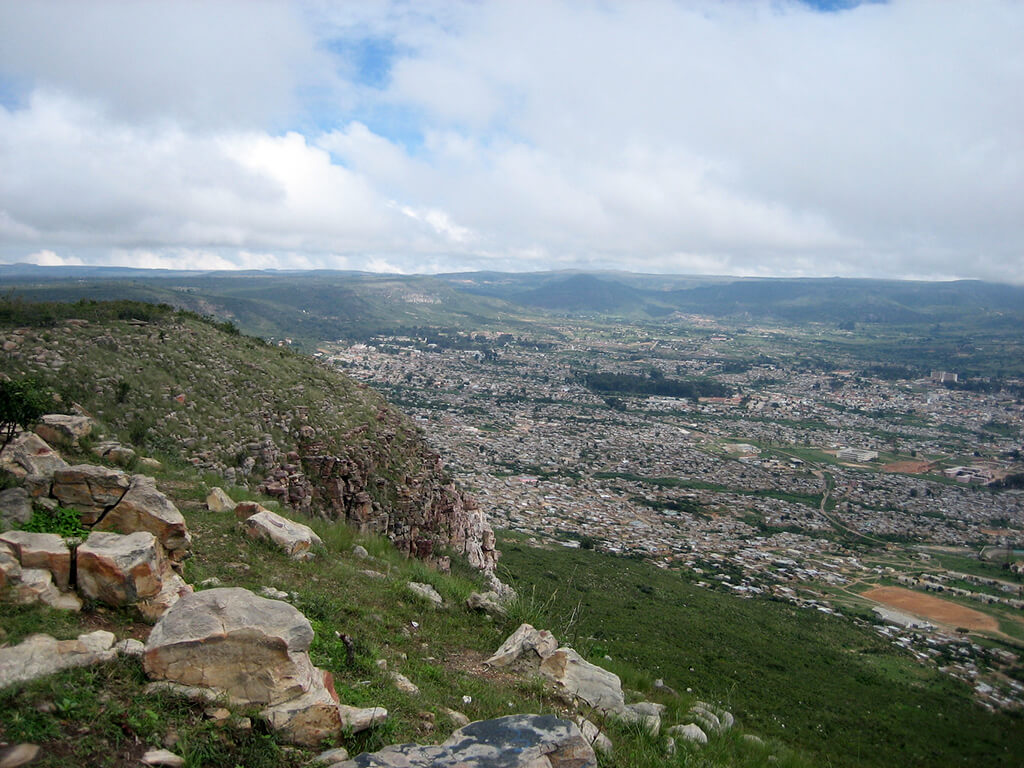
column 856, row 454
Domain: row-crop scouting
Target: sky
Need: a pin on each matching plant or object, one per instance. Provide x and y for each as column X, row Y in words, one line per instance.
column 752, row 137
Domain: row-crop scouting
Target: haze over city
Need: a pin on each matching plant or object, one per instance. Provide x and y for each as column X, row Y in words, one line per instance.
column 754, row 138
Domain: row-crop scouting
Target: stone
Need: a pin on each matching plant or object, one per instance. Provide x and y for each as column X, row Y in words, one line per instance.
column 295, row 539
column 162, row 757
column 516, row 741
column 593, row 735
column 10, row 567
column 526, row 643
column 41, row 655
column 356, row 719
column 752, row 739
column 90, row 489
column 273, row 594
column 15, row 508
column 404, row 684
column 246, row 509
column 374, row 574
column 455, row 716
column 659, row 685
column 218, row 501
column 144, row 508
column 120, row 569
column 35, row 585
column 360, row 551
column 646, row 713
column 37, row 486
column 60, row 429
column 486, row 602
column 712, row 718
column 29, row 454
column 130, row 647
column 17, row 755
column 114, row 452
column 255, row 651
column 42, row 550
column 427, row 592
column 598, row 687
column 690, row 732
column 172, row 589
column 331, row 756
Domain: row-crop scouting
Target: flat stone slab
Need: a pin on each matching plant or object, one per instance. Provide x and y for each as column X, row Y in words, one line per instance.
column 41, row 655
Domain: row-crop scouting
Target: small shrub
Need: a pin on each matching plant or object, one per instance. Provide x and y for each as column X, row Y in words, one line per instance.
column 61, row 520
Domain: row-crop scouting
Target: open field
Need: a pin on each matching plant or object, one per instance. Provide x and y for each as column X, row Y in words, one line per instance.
column 933, row 608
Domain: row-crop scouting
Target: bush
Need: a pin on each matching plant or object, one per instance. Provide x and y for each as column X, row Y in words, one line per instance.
column 61, row 520
column 22, row 403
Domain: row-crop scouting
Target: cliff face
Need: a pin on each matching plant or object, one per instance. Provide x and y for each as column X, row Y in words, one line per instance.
column 257, row 415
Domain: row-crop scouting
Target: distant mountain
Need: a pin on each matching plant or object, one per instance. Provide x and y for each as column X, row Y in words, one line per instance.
column 589, row 294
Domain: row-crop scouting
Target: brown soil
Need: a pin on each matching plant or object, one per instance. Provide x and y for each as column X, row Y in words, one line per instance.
column 934, row 608
column 909, row 467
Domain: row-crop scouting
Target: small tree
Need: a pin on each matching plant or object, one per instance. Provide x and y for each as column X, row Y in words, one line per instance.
column 22, row 402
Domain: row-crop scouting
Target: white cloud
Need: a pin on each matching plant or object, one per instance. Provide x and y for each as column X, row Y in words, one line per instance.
column 747, row 138
column 48, row 258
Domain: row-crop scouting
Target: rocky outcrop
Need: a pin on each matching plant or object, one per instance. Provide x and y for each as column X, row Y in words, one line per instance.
column 516, row 741
column 60, row 429
column 295, row 539
column 27, row 584
column 527, row 645
column 144, row 508
column 41, row 655
column 120, row 569
column 488, row 602
column 90, row 489
column 47, row 551
column 28, row 454
column 598, row 687
column 15, row 508
column 256, row 652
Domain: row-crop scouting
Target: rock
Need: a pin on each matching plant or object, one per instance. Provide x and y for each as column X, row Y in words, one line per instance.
column 593, row 735
column 486, row 602
column 144, row 508
column 42, row 550
column 28, row 454
column 218, row 501
column 455, row 716
column 10, row 567
column 36, row 586
column 15, row 508
column 41, row 655
column 130, row 647
column 38, row 486
column 89, row 489
column 360, row 551
column 689, row 732
column 526, row 643
column 17, row 755
column 516, row 741
column 427, row 592
column 246, row 509
column 120, row 569
column 659, row 685
column 331, row 756
column 645, row 712
column 171, row 591
column 59, row 429
column 373, row 574
column 162, row 757
column 256, row 652
column 114, row 452
column 598, row 687
column 752, row 739
column 356, row 719
column 149, row 463
column 404, row 684
column 273, row 594
column 294, row 538
column 712, row 718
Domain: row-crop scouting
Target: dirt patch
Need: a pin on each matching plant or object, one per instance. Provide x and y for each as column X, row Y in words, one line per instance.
column 909, row 467
column 933, row 608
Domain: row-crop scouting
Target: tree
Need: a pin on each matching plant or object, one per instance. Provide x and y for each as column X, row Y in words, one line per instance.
column 22, row 403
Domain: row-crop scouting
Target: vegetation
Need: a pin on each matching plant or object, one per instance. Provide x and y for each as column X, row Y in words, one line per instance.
column 22, row 403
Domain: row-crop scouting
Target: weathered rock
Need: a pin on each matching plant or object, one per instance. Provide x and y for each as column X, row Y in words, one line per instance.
column 427, row 592
column 130, row 647
column 162, row 757
column 41, row 655
column 690, row 732
column 356, row 719
column 516, row 741
column 29, row 454
column 404, row 684
column 488, row 602
column 60, row 429
column 294, row 538
column 273, row 594
column 309, row 718
column 331, row 756
column 173, row 587
column 15, row 508
column 218, row 501
column 752, row 739
column 17, row 755
column 35, row 585
column 114, row 452
column 37, row 486
column 526, row 643
column 120, row 569
column 659, row 685
column 42, row 550
column 144, row 508
column 598, row 687
column 10, row 567
column 712, row 718
column 246, row 509
column 360, row 551
column 90, row 489
column 646, row 713
column 593, row 735
column 455, row 716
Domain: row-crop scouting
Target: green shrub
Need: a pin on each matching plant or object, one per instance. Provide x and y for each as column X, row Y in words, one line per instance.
column 61, row 520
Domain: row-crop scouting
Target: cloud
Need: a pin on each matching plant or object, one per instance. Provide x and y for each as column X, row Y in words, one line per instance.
column 747, row 138
column 51, row 259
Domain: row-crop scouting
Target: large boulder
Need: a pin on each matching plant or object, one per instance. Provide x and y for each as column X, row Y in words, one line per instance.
column 144, row 508
column 217, row 500
column 42, row 550
column 89, row 489
column 516, row 741
column 28, row 454
column 294, row 538
column 15, row 508
column 25, row 585
column 527, row 644
column 120, row 569
column 60, row 429
column 255, row 651
column 41, row 655
column 598, row 687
